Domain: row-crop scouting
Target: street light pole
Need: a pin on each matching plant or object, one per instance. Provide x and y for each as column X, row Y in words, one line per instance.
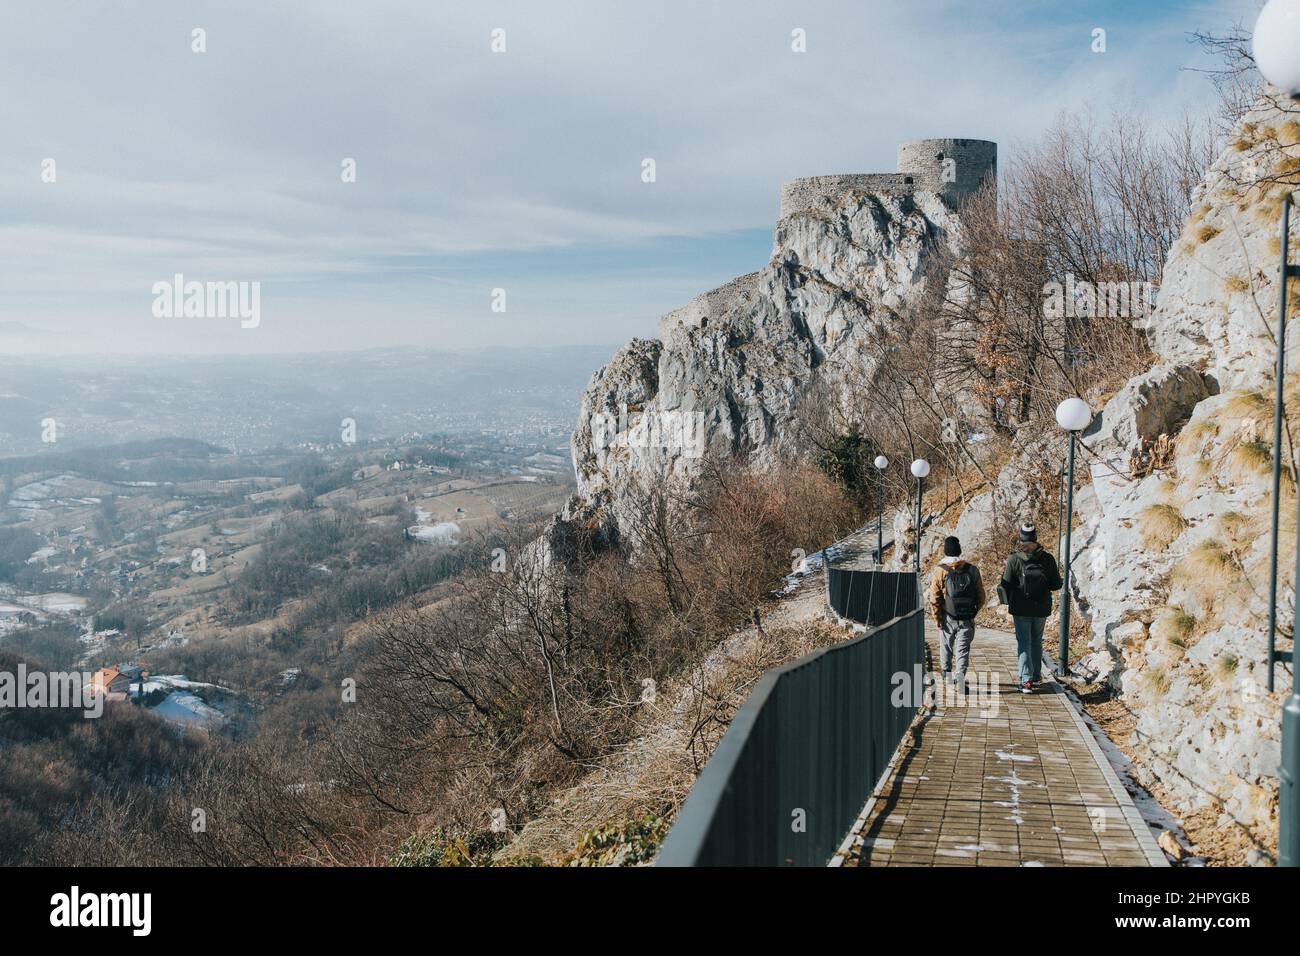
column 1279, row 376
column 1275, row 48
column 1288, row 838
column 1064, row 659
column 1073, row 415
column 1060, row 507
column 920, row 491
column 920, row 468
column 881, row 464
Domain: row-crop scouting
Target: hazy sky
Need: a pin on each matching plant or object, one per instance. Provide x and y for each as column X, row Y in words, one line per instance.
column 479, row 170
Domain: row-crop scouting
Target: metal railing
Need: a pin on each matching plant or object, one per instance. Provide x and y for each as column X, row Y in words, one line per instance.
column 870, row 597
column 801, row 757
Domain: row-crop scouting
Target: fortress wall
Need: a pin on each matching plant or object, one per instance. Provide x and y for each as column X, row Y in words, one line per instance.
column 717, row 302
column 812, row 192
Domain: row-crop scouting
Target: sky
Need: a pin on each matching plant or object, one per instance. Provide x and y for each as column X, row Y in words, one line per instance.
column 478, row 170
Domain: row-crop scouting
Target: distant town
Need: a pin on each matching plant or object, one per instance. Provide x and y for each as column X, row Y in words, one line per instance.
column 140, row 560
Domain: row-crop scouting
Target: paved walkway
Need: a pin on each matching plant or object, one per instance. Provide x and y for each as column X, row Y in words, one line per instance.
column 1000, row 778
column 856, row 551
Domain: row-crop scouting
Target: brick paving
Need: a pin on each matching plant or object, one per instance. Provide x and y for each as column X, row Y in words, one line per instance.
column 1001, row 779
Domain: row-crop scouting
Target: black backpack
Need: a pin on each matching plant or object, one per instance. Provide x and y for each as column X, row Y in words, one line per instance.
column 960, row 595
column 1033, row 578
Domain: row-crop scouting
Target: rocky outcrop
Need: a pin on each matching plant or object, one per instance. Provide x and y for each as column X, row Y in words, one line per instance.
column 1152, row 404
column 728, row 373
column 1171, row 566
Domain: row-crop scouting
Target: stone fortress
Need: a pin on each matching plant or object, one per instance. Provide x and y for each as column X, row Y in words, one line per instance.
column 951, row 169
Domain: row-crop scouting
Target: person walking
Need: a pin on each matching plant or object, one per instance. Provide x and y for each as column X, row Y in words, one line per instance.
column 1030, row 577
column 956, row 595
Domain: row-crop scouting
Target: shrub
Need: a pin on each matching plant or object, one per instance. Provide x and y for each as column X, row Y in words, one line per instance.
column 623, row 844
column 442, row 847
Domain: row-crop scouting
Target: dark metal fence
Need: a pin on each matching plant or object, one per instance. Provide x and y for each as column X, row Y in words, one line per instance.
column 871, row 597
column 795, row 768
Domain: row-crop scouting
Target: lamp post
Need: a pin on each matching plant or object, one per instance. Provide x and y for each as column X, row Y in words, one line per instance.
column 1276, row 49
column 1279, row 375
column 1073, row 415
column 1060, row 507
column 920, row 468
column 881, row 464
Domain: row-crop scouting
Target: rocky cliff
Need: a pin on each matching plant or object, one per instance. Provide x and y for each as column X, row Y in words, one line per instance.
column 730, row 368
column 1172, row 558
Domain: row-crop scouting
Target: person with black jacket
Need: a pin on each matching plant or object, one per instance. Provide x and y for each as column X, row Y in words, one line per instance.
column 1030, row 577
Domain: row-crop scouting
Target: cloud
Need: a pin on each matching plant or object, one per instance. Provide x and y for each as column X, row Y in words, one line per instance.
column 226, row 164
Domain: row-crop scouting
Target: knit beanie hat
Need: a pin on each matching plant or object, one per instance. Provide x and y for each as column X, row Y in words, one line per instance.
column 951, row 547
column 1028, row 533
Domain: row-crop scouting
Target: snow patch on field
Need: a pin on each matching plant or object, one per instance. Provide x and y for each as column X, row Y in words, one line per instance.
column 444, row 532
column 184, row 708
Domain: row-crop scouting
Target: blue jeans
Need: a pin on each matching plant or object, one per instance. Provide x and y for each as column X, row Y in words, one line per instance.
column 1029, row 647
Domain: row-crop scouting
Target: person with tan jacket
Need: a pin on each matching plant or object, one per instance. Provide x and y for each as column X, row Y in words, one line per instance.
column 955, row 596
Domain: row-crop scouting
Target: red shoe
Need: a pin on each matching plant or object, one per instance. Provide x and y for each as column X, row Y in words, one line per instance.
column 1027, row 687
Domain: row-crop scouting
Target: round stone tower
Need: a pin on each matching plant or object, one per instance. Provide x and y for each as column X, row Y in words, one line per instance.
column 953, row 168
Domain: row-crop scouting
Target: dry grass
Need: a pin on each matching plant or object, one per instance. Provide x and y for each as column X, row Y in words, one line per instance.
column 1235, row 284
column 1174, row 626
column 1209, row 559
column 1157, row 680
column 1207, row 573
column 1220, row 845
column 1247, row 405
column 1244, row 453
column 1227, row 667
column 657, row 768
column 1287, row 167
column 1237, row 529
column 1160, row 525
column 1249, row 459
column 1206, row 232
column 1267, row 206
column 1194, row 436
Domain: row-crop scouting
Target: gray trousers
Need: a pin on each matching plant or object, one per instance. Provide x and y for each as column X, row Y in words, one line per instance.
column 955, row 639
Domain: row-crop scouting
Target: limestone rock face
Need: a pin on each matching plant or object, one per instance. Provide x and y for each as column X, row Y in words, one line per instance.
column 1218, row 296
column 730, row 368
column 1171, row 567
column 1155, row 403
